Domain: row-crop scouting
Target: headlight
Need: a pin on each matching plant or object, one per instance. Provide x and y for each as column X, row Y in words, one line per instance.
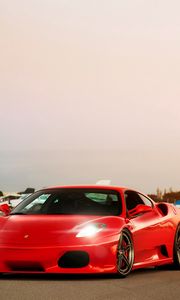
column 91, row 230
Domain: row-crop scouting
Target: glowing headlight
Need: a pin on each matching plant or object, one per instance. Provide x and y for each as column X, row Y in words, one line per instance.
column 91, row 230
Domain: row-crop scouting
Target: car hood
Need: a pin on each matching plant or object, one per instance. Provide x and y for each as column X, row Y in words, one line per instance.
column 51, row 230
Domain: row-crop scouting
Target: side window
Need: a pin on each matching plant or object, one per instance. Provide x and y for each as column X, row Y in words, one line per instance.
column 146, row 200
column 132, row 199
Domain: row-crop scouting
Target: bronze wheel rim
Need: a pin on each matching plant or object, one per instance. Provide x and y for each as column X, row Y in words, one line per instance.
column 177, row 246
column 125, row 254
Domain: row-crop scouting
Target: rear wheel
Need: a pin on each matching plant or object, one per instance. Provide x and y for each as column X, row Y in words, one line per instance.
column 125, row 254
column 176, row 257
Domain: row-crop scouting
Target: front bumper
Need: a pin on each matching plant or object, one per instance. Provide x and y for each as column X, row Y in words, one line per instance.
column 102, row 259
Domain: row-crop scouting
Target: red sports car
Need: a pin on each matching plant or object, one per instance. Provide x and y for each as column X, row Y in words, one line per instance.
column 88, row 229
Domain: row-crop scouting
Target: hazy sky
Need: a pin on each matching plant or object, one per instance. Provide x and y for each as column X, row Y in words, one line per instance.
column 89, row 90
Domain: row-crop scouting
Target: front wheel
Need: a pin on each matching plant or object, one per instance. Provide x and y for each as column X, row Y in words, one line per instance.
column 125, row 254
column 176, row 256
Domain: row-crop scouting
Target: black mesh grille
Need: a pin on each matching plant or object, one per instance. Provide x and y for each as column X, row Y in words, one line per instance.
column 74, row 259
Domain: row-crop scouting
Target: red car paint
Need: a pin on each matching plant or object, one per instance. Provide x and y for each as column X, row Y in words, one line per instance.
column 36, row 242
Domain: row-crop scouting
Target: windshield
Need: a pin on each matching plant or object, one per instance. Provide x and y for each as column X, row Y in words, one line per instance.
column 68, row 201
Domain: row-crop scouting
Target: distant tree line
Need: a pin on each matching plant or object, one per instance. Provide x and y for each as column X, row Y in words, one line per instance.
column 165, row 196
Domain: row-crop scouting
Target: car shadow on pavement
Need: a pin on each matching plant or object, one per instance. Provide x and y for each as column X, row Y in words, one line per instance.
column 80, row 277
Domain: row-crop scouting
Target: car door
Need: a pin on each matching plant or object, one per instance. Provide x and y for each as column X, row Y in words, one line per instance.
column 146, row 228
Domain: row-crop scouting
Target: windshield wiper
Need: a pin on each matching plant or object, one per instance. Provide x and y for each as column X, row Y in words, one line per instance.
column 17, row 213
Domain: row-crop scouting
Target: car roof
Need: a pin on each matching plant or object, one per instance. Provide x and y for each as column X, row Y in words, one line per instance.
column 95, row 186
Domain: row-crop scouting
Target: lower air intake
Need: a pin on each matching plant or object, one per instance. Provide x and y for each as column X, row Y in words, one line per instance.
column 74, row 259
column 25, row 267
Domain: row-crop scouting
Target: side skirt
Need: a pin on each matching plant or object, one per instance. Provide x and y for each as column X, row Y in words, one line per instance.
column 161, row 262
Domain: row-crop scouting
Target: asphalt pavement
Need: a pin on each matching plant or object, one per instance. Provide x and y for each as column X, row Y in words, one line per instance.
column 143, row 284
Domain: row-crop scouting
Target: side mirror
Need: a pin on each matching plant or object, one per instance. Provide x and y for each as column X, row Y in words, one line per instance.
column 139, row 209
column 5, row 209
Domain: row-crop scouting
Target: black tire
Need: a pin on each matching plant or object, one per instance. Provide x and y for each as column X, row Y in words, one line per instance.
column 125, row 254
column 176, row 249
